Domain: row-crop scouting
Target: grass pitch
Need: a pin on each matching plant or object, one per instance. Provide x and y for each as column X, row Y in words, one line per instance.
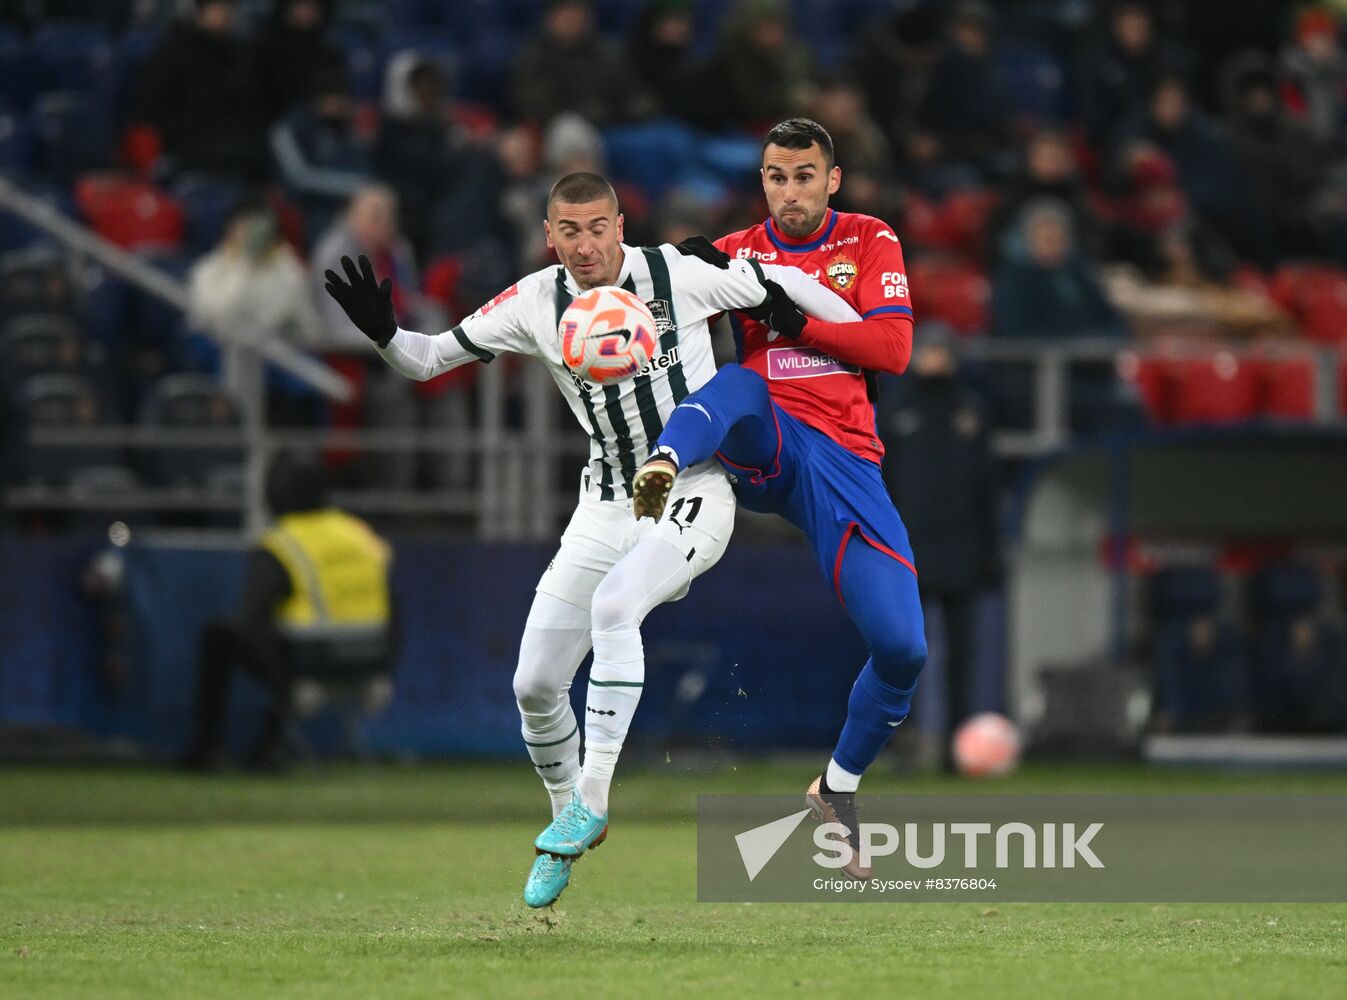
column 405, row 882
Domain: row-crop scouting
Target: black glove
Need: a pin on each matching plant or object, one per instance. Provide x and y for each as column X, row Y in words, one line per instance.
column 368, row 303
column 703, row 249
column 779, row 312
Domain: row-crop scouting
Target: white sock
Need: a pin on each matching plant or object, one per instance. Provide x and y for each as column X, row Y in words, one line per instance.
column 839, row 779
column 597, row 775
column 560, row 795
column 553, row 744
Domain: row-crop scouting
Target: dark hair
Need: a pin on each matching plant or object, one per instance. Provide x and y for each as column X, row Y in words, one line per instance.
column 248, row 203
column 295, row 483
column 800, row 133
column 578, row 189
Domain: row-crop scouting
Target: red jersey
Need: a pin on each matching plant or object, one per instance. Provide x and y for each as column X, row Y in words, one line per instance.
column 820, row 378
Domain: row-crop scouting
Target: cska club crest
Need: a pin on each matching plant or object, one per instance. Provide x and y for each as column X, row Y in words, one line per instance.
column 841, row 273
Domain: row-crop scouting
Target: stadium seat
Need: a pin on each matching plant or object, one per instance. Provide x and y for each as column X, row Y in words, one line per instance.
column 207, row 201
column 1149, row 378
column 1288, row 388
column 653, row 156
column 74, row 56
column 1201, row 668
column 1218, row 389
column 18, row 78
column 485, row 73
column 1298, row 682
column 36, row 280
column 1316, row 294
column 364, row 60
column 187, row 401
column 41, row 344
column 17, row 144
column 951, row 291
column 132, row 213
column 957, row 224
column 1035, row 80
column 60, row 401
column 73, row 136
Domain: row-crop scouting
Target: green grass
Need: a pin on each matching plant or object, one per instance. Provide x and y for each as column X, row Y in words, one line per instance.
column 404, row 882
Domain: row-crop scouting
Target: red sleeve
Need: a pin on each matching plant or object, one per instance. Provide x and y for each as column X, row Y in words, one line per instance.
column 883, row 344
column 882, row 340
column 881, row 281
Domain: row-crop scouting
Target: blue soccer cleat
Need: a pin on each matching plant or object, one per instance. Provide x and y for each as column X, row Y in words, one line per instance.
column 574, row 831
column 548, row 876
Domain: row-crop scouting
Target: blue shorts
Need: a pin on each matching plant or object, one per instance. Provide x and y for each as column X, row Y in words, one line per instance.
column 827, row 492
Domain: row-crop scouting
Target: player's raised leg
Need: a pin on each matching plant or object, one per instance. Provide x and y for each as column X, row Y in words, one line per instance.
column 880, row 594
column 556, row 639
column 660, row 567
column 730, row 418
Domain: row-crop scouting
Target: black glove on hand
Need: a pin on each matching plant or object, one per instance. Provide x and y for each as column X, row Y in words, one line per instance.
column 779, row 312
column 703, row 249
column 367, row 302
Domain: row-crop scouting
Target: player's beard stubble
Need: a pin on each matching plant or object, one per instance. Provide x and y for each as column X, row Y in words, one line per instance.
column 797, row 221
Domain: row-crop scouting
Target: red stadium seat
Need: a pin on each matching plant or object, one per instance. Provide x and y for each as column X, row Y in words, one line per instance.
column 953, row 292
column 1150, row 377
column 1217, row 389
column 958, row 224
column 1316, row 295
column 1288, row 388
column 129, row 212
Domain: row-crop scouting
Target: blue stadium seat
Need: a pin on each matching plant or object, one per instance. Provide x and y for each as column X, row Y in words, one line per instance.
column 1035, row 80
column 41, row 344
column 74, row 56
column 60, row 401
column 364, row 60
column 1298, row 655
column 188, row 401
column 1200, row 661
column 73, row 135
column 36, row 280
column 654, row 156
column 207, row 200
column 487, row 67
column 17, row 144
column 18, row 76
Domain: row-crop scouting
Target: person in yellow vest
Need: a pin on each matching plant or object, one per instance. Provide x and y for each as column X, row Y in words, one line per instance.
column 316, row 603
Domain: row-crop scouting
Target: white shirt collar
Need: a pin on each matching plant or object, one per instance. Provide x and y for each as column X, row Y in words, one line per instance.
column 628, row 254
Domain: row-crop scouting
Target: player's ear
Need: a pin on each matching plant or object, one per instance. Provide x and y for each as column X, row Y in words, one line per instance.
column 834, row 179
column 547, row 231
column 620, row 220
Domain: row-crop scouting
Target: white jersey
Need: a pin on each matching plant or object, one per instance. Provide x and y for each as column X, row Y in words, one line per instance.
column 623, row 420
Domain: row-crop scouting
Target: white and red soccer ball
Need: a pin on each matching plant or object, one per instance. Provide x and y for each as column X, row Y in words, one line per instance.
column 986, row 745
column 607, row 335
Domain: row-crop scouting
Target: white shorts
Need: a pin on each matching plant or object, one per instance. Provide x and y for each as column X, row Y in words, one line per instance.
column 698, row 520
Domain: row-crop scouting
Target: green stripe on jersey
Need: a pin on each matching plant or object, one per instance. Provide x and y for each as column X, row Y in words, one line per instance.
column 645, row 396
column 480, row 353
column 616, row 684
column 563, row 299
column 659, row 277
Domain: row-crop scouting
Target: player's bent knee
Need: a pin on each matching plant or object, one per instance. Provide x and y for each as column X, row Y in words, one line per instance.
column 898, row 658
column 612, row 609
column 535, row 694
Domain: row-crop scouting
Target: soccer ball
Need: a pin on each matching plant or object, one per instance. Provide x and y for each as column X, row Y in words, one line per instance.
column 607, row 335
column 985, row 745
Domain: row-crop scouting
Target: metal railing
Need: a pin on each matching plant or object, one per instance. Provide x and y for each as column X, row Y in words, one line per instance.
column 522, row 483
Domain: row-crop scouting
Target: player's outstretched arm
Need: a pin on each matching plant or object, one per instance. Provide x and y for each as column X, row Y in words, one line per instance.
column 369, row 305
column 811, row 297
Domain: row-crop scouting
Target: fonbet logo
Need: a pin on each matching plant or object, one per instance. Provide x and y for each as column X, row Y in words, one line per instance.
column 927, row 845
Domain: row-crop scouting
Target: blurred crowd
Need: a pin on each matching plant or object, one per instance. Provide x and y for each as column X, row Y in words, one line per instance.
column 1057, row 169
